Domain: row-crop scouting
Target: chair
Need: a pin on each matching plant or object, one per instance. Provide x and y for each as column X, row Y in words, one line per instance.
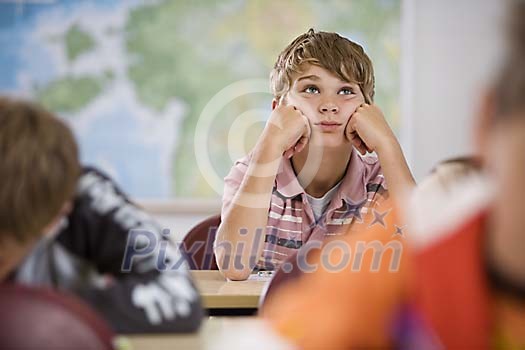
column 197, row 245
column 41, row 318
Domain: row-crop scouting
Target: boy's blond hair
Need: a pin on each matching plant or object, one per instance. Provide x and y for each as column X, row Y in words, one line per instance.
column 344, row 58
column 39, row 169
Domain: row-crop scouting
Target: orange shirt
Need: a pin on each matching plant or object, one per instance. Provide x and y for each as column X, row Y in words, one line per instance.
column 325, row 310
column 445, row 287
column 509, row 323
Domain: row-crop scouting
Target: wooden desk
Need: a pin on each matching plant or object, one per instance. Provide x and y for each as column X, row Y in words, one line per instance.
column 212, row 335
column 219, row 293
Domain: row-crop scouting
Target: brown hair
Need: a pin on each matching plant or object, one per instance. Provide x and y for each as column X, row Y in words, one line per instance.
column 510, row 85
column 447, row 174
column 346, row 59
column 467, row 163
column 39, row 169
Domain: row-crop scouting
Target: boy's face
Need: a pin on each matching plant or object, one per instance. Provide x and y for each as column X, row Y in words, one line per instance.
column 326, row 101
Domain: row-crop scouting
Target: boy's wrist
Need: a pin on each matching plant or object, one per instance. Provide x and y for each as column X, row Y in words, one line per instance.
column 267, row 149
column 270, row 144
column 388, row 145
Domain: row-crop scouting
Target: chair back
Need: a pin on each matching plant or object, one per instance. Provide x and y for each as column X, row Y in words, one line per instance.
column 197, row 245
column 41, row 318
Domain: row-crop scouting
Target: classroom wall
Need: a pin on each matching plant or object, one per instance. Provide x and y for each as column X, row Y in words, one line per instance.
column 449, row 48
column 181, row 215
column 180, row 224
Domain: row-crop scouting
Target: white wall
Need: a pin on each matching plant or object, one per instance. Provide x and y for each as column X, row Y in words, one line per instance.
column 181, row 215
column 449, row 51
column 179, row 224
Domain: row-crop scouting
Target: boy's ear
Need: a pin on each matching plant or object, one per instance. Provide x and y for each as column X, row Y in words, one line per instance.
column 275, row 103
column 484, row 122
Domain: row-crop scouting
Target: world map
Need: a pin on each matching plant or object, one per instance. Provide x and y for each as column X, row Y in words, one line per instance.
column 132, row 78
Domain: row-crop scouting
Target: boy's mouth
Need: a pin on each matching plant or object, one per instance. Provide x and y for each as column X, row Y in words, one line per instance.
column 328, row 125
column 328, row 122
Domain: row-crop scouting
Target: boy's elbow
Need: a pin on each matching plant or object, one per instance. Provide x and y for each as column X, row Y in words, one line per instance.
column 231, row 263
column 230, row 270
column 235, row 274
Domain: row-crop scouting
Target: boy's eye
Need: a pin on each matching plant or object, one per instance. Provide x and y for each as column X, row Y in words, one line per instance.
column 311, row 89
column 346, row 91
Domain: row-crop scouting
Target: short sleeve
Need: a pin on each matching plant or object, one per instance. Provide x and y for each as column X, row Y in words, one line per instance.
column 376, row 186
column 233, row 181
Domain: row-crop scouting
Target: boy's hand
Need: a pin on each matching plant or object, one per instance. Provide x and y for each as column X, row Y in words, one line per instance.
column 368, row 130
column 289, row 129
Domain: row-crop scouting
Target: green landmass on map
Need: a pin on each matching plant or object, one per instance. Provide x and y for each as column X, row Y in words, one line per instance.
column 70, row 94
column 175, row 66
column 77, row 42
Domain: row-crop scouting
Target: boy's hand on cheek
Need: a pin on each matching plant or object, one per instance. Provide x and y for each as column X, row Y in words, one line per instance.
column 288, row 129
column 368, row 130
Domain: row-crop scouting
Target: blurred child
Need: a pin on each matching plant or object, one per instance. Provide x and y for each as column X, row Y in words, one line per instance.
column 454, row 189
column 451, row 171
column 463, row 288
column 304, row 180
column 67, row 227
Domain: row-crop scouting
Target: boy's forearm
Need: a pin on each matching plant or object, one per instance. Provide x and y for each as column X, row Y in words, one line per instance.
column 240, row 237
column 397, row 174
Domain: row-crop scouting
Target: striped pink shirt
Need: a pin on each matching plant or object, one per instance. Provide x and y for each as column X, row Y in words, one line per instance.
column 291, row 220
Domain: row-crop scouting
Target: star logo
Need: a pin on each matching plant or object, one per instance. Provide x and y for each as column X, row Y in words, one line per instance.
column 357, row 214
column 399, row 231
column 379, row 218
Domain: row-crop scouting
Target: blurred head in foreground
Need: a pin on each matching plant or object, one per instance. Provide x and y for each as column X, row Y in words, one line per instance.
column 39, row 169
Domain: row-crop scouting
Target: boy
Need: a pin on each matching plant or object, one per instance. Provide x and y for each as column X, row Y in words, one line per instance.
column 461, row 288
column 304, row 180
column 66, row 227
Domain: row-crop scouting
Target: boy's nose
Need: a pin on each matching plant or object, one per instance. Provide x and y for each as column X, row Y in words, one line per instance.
column 328, row 107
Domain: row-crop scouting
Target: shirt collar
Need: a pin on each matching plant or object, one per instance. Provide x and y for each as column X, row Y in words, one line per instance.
column 352, row 189
column 287, row 183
